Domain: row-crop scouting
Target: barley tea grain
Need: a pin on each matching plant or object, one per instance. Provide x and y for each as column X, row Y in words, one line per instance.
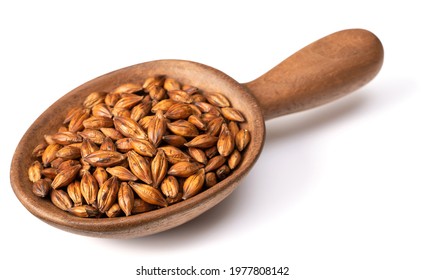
column 137, row 148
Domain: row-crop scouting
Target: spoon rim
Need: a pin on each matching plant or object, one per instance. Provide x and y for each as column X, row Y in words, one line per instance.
column 158, row 220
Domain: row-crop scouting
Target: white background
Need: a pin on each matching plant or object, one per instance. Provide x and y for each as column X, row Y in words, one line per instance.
column 338, row 191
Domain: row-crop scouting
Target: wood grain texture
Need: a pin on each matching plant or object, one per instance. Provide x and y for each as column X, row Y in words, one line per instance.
column 321, row 72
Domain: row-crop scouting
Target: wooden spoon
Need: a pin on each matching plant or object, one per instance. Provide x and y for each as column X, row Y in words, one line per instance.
column 323, row 71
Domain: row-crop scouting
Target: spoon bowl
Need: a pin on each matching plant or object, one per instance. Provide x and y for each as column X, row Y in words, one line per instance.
column 323, row 71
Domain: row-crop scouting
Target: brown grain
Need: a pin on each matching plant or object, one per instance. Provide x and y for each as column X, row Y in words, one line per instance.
column 139, row 147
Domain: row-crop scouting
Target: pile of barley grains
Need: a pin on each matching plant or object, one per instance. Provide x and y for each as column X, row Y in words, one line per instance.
column 138, row 148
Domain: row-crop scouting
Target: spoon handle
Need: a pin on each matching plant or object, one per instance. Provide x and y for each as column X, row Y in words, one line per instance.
column 320, row 72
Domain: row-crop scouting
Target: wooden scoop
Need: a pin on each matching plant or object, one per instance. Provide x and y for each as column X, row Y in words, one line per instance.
column 323, row 71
